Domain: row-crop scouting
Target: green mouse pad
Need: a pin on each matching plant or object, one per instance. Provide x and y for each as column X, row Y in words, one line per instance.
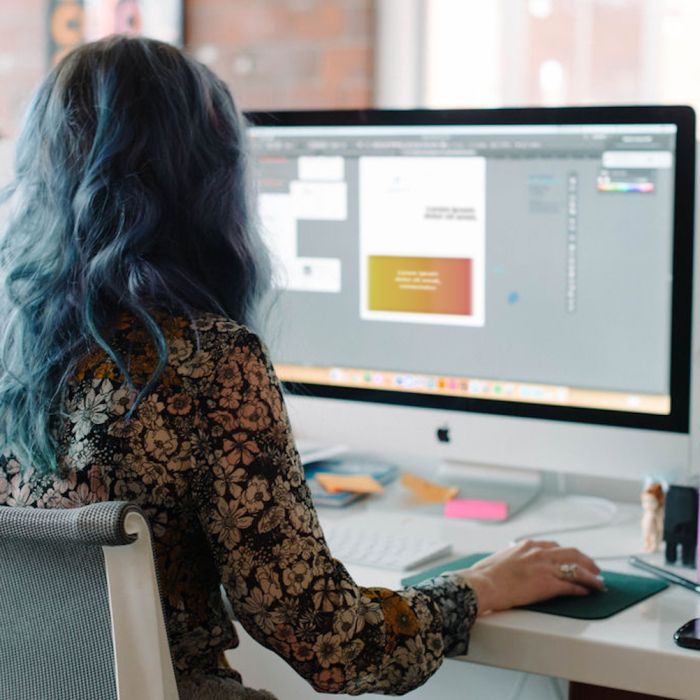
column 623, row 591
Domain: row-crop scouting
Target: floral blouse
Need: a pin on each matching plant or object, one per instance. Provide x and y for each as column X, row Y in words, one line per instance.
column 209, row 456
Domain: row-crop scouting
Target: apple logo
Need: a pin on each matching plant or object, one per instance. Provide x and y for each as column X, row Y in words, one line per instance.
column 443, row 433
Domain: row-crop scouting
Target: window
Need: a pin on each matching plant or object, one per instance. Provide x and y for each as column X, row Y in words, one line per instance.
column 552, row 52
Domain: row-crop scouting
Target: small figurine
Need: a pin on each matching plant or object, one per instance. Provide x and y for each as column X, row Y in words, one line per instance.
column 652, row 517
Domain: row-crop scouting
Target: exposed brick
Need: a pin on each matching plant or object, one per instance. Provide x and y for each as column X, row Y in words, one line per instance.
column 309, row 97
column 275, row 54
column 357, row 97
column 325, row 21
column 295, row 53
column 346, row 64
column 286, row 64
column 359, row 21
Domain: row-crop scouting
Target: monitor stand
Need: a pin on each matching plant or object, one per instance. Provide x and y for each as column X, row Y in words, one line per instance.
column 516, row 487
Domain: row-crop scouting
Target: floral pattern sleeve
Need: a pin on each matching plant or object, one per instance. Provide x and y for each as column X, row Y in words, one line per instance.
column 285, row 587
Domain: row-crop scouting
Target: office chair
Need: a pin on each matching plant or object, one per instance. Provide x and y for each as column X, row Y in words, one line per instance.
column 80, row 610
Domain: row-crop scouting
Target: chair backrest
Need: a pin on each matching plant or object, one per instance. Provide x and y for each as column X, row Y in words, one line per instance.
column 80, row 609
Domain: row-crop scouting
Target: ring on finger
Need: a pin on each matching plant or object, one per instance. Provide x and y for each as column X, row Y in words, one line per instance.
column 568, row 570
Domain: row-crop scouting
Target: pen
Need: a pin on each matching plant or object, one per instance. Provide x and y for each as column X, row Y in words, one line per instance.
column 664, row 574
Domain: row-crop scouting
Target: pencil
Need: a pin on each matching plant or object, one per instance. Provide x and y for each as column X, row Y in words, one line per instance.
column 664, row 574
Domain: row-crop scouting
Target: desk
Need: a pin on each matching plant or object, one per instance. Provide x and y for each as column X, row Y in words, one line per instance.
column 633, row 650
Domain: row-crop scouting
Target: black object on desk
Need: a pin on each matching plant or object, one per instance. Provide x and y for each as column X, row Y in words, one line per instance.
column 623, row 592
column 681, row 524
column 688, row 635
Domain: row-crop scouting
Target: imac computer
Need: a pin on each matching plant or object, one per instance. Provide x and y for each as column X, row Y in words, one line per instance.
column 504, row 288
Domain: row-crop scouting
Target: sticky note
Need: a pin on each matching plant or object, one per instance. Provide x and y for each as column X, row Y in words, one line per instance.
column 355, row 483
column 476, row 509
column 428, row 491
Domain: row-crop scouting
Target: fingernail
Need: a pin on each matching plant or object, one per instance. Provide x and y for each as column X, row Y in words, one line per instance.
column 600, row 578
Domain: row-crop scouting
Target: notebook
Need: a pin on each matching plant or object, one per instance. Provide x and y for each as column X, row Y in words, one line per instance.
column 383, row 473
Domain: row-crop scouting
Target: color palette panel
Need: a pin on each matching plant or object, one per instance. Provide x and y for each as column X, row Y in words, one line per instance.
column 420, row 284
column 611, row 186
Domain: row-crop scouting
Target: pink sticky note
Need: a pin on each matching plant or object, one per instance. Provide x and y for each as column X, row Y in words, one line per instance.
column 476, row 509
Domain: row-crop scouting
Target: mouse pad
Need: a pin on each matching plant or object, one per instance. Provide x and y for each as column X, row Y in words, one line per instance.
column 624, row 590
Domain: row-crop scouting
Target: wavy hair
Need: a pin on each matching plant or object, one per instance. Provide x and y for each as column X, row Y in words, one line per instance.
column 131, row 194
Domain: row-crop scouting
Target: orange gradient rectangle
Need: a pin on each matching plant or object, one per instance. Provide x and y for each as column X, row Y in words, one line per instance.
column 420, row 285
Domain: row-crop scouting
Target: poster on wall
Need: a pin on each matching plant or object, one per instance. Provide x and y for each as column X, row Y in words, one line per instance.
column 74, row 22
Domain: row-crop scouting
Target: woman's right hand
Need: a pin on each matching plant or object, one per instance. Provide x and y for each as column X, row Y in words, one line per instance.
column 529, row 572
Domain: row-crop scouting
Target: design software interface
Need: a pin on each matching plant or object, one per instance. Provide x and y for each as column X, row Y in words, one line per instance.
column 518, row 263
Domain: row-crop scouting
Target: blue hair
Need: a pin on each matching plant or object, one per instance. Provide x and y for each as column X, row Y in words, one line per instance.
column 131, row 194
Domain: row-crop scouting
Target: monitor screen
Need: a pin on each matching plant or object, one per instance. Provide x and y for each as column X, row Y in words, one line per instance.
column 532, row 263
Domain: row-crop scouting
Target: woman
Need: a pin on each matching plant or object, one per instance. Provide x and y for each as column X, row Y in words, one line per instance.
column 128, row 372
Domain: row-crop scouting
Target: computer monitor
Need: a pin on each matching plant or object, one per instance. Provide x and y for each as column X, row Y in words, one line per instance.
column 500, row 287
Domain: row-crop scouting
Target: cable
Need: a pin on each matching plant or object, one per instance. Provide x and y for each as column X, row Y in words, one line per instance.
column 557, row 687
column 607, row 505
column 518, row 687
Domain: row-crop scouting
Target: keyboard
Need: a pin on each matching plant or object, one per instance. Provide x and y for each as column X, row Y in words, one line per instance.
column 354, row 544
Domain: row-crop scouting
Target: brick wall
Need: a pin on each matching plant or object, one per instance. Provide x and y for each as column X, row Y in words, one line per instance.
column 287, row 53
column 273, row 53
